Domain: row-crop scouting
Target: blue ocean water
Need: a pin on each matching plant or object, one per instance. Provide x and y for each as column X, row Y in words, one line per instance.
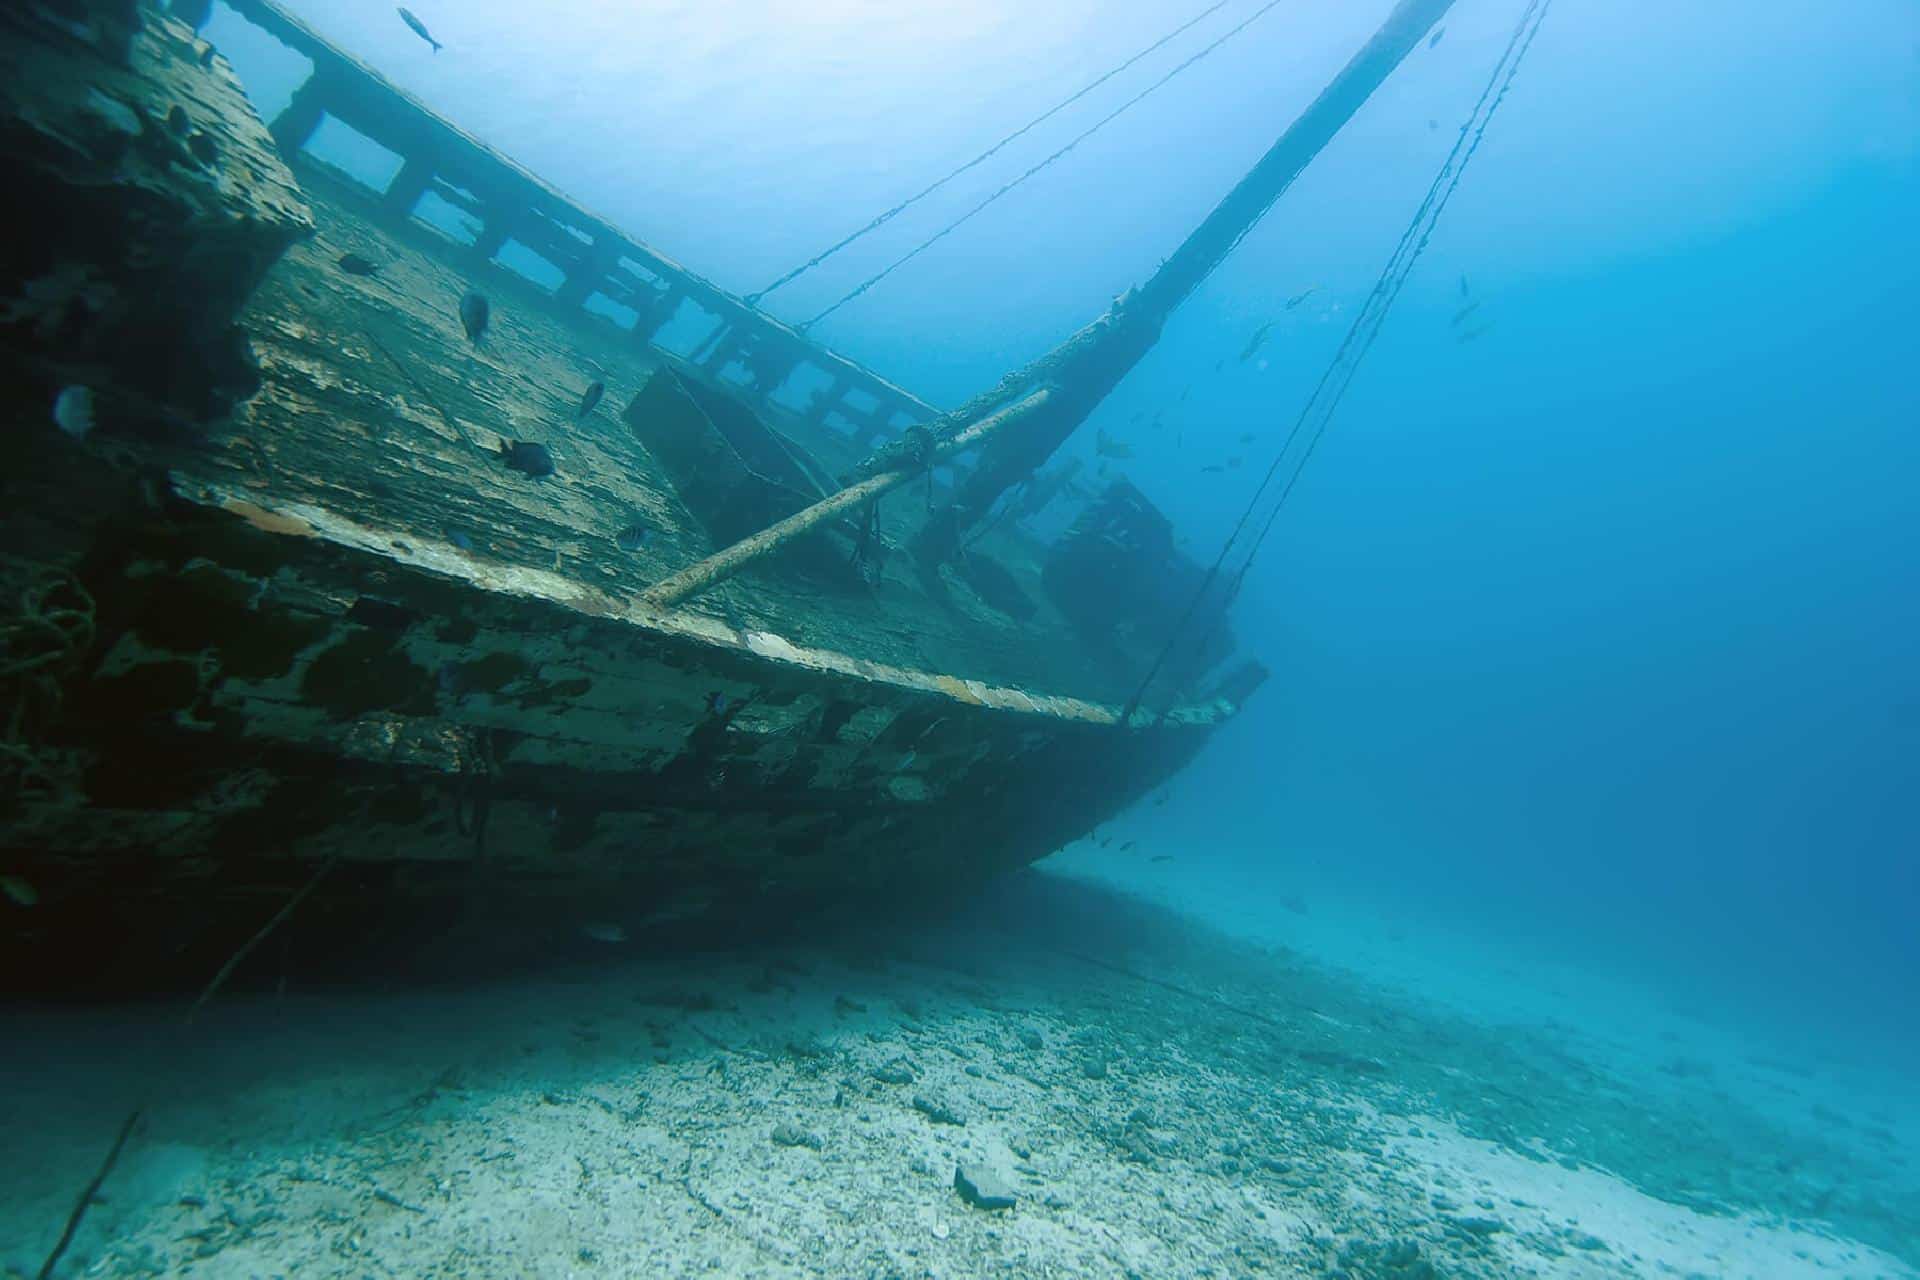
column 1592, row 621
column 1595, row 631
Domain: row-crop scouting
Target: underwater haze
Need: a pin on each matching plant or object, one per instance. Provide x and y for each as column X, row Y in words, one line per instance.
column 1553, row 909
column 1594, row 632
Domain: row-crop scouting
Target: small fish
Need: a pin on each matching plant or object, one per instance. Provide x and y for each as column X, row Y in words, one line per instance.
column 1213, row 468
column 590, row 399
column 1161, row 857
column 1299, row 298
column 530, row 459
column 1439, row 34
column 206, row 55
column 73, row 411
column 1256, row 341
column 474, row 314
column 1471, row 334
column 419, row 28
column 634, row 537
column 1247, row 438
column 1107, row 447
column 601, row 931
column 1465, row 311
column 1233, row 464
column 22, row 893
column 1128, row 845
column 355, row 265
column 1465, row 289
column 177, row 121
column 460, row 540
column 717, row 703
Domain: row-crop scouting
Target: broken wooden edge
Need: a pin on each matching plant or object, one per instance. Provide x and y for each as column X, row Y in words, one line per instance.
column 410, row 550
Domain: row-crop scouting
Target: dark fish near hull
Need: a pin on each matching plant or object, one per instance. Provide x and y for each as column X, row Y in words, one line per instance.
column 1438, row 35
column 590, row 400
column 419, row 28
column 355, row 265
column 529, row 459
column 474, row 316
column 633, row 538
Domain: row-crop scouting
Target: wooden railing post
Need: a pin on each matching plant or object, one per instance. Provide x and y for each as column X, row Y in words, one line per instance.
column 301, row 116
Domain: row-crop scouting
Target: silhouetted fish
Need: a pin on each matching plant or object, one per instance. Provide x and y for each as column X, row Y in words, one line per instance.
column 419, row 28
column 1161, row 857
column 528, row 458
column 633, row 538
column 474, row 315
column 1438, row 35
column 1255, row 342
column 355, row 265
column 1465, row 311
column 1471, row 334
column 1464, row 289
column 1107, row 447
column 1302, row 296
column 590, row 399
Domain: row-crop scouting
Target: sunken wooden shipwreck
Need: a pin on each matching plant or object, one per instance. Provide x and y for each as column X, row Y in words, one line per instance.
column 283, row 620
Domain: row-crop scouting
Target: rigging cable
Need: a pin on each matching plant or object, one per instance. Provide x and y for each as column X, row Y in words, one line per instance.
column 753, row 299
column 1098, row 125
column 1332, row 387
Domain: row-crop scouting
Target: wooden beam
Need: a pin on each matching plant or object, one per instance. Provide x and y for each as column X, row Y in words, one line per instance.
column 723, row 564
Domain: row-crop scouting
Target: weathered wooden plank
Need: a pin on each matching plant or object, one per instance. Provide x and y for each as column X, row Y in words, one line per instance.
column 361, row 98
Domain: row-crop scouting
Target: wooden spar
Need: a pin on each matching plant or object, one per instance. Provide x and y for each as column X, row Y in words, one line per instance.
column 725, row 563
column 1086, row 367
column 1077, row 375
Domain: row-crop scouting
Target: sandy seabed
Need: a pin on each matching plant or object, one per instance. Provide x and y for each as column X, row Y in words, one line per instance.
column 1158, row 1100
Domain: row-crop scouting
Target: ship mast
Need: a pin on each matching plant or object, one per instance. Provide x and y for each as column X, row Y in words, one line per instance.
column 1017, row 430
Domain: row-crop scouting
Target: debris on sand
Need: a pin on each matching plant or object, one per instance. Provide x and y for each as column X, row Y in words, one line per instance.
column 981, row 1188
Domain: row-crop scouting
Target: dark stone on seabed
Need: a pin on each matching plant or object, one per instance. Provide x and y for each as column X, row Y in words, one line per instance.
column 792, row 1135
column 980, row 1188
column 936, row 1110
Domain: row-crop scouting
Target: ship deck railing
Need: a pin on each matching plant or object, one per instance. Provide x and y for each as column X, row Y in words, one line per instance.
column 599, row 269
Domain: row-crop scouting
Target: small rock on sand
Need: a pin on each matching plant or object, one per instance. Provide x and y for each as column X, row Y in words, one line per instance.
column 792, row 1135
column 979, row 1187
column 936, row 1110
